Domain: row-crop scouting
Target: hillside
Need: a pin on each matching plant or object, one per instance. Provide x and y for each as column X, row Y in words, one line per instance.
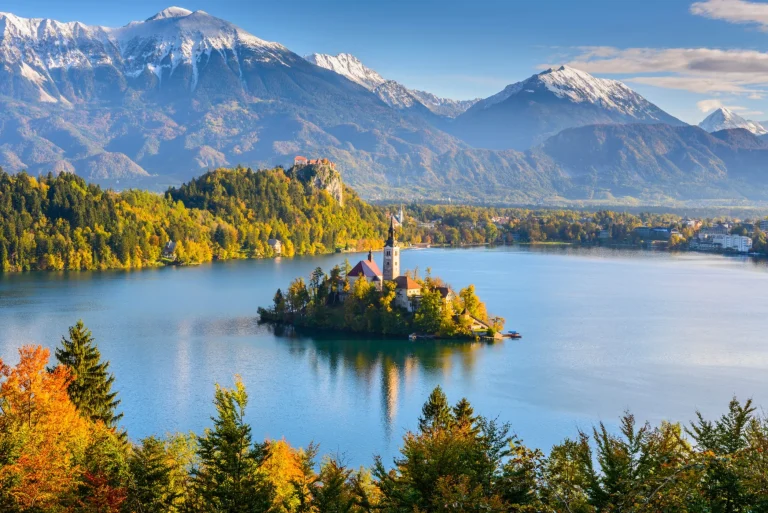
column 63, row 223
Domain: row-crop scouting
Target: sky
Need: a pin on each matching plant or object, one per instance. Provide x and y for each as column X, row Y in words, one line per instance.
column 688, row 57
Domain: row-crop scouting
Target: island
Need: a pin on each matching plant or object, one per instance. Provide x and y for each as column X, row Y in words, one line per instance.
column 364, row 299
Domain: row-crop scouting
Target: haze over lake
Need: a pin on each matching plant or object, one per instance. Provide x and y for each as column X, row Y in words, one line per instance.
column 604, row 331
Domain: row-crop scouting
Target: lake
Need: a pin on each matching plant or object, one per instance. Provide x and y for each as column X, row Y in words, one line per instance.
column 604, row 331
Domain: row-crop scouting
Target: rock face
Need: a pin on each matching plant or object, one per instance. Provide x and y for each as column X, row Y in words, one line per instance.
column 323, row 177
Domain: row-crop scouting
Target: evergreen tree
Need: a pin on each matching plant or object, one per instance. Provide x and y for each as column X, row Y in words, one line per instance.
column 436, row 414
column 151, row 490
column 228, row 479
column 91, row 389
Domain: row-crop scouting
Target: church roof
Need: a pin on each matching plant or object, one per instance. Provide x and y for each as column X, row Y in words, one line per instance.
column 405, row 282
column 367, row 268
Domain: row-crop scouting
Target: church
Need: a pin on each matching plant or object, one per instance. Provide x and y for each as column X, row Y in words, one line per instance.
column 408, row 291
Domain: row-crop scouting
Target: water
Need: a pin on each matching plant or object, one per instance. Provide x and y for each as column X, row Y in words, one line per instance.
column 604, row 331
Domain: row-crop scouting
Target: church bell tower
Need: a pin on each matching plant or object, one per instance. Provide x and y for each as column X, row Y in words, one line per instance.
column 391, row 254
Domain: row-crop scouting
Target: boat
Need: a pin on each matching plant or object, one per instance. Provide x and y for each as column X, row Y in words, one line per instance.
column 512, row 334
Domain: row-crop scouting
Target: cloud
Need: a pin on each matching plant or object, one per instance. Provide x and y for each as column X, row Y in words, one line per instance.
column 712, row 104
column 709, row 105
column 699, row 70
column 733, row 11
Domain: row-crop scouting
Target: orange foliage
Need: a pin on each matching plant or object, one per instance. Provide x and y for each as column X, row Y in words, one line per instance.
column 283, row 470
column 47, row 436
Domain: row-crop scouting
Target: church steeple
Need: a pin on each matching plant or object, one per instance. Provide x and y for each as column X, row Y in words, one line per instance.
column 391, row 241
column 391, row 254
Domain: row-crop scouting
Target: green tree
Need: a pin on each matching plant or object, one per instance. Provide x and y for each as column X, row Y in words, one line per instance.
column 152, row 469
column 228, row 478
column 91, row 388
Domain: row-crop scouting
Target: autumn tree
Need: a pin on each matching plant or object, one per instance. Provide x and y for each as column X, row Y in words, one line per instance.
column 91, row 387
column 43, row 439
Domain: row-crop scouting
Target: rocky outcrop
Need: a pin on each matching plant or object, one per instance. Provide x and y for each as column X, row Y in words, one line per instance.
column 323, row 177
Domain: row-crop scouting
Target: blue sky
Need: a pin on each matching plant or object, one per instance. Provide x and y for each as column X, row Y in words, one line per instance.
column 686, row 56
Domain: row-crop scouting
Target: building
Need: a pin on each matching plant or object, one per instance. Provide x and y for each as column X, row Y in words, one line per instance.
column 604, row 234
column 763, row 225
column 276, row 245
column 169, row 250
column 739, row 243
column 475, row 324
column 368, row 270
column 408, row 293
column 300, row 161
column 446, row 293
column 391, row 254
column 718, row 229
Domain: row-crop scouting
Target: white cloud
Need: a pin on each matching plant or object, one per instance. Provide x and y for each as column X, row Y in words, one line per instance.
column 733, row 11
column 699, row 70
column 713, row 103
column 709, row 105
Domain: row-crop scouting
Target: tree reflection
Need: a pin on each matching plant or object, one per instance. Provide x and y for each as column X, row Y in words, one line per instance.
column 392, row 365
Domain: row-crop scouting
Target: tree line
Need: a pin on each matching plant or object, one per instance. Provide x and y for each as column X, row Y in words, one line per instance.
column 62, row 450
column 63, row 223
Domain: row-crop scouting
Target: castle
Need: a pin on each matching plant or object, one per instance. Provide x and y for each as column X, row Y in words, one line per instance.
column 300, row 161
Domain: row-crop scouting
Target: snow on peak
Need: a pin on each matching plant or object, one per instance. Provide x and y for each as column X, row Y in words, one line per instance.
column 348, row 66
column 579, row 87
column 724, row 118
column 390, row 92
column 170, row 12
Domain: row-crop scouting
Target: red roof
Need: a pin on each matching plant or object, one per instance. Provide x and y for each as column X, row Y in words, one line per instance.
column 367, row 268
column 405, row 282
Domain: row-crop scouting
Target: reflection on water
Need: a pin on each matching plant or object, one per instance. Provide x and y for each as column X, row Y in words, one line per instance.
column 394, row 365
column 604, row 330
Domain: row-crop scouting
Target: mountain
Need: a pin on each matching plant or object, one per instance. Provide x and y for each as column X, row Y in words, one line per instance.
column 723, row 118
column 181, row 92
column 526, row 113
column 392, row 93
column 647, row 161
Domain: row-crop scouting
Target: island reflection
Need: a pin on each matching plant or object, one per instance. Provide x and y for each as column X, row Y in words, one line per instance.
column 389, row 363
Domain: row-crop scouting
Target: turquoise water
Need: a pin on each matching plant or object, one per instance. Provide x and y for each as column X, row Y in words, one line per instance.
column 604, row 331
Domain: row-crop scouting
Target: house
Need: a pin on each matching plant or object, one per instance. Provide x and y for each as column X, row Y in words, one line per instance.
column 408, row 293
column 276, row 245
column 300, row 161
column 446, row 293
column 475, row 324
column 169, row 250
column 368, row 270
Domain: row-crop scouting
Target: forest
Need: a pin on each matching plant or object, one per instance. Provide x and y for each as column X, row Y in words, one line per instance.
column 63, row 223
column 62, row 449
column 338, row 302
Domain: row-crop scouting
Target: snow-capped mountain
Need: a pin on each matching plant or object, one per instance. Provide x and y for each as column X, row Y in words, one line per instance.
column 723, row 119
column 391, row 92
column 185, row 91
column 527, row 112
column 52, row 61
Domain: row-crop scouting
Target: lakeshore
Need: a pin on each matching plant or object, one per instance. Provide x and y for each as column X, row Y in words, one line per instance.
column 605, row 330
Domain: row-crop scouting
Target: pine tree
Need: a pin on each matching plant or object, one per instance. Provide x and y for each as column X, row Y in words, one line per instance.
column 91, row 389
column 228, row 478
column 436, row 414
column 151, row 489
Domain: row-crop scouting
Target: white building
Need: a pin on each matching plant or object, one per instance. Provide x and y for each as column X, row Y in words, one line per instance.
column 739, row 243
